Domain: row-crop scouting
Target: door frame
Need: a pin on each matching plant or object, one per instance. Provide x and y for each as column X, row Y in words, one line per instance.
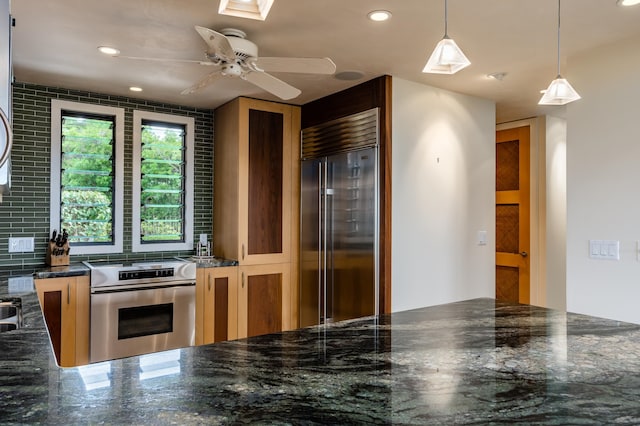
column 537, row 208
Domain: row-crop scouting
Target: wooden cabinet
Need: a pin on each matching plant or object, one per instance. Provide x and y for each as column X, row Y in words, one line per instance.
column 65, row 306
column 216, row 304
column 264, row 299
column 256, row 203
column 256, row 157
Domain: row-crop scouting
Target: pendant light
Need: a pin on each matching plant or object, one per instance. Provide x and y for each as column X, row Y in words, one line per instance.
column 447, row 57
column 559, row 92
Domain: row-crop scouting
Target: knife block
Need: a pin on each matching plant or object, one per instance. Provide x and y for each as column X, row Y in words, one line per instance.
column 57, row 256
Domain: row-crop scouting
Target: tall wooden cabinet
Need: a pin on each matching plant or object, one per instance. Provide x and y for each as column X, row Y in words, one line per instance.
column 65, row 306
column 256, row 208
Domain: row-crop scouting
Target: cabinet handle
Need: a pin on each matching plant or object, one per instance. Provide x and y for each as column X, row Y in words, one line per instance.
column 243, row 280
column 68, row 294
column 242, row 251
column 209, row 281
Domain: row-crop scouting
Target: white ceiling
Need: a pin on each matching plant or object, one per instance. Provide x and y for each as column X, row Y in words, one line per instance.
column 55, row 44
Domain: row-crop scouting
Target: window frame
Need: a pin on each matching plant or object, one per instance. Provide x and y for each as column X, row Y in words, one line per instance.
column 189, row 140
column 57, row 108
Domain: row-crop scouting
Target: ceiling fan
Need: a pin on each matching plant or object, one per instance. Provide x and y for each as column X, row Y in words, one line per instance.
column 232, row 55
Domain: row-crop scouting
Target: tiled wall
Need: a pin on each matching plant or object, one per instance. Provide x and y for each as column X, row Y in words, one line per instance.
column 25, row 212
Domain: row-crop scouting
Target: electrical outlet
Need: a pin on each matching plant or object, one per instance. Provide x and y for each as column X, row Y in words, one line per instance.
column 21, row 245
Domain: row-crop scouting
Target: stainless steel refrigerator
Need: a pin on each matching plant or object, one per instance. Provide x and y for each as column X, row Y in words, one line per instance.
column 339, row 220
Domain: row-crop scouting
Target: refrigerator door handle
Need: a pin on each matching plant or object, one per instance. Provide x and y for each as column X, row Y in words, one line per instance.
column 321, row 241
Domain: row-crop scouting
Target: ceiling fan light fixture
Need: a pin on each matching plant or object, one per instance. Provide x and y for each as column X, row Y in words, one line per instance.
column 447, row 57
column 250, row 9
column 559, row 92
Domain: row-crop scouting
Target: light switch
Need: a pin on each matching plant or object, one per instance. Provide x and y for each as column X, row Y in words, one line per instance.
column 20, row 284
column 21, row 245
column 604, row 249
column 482, row 238
column 613, row 250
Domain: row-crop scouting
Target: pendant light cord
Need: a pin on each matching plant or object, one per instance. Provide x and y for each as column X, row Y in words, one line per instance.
column 446, row 34
column 558, row 38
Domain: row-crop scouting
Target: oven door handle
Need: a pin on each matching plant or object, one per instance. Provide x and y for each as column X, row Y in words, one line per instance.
column 143, row 286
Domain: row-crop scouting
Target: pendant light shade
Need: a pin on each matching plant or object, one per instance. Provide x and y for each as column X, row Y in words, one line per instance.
column 447, row 57
column 559, row 92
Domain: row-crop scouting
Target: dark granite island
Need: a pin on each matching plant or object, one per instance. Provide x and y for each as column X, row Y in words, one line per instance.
column 472, row 362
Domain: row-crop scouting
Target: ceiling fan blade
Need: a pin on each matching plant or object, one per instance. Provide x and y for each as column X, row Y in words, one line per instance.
column 218, row 43
column 206, row 81
column 142, row 58
column 272, row 85
column 297, row 65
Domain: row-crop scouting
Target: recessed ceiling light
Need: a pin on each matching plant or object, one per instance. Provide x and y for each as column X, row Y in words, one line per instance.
column 379, row 15
column 627, row 2
column 135, row 89
column 111, row 51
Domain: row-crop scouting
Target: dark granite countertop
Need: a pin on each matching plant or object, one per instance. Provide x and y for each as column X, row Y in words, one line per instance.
column 471, row 362
column 72, row 270
column 212, row 261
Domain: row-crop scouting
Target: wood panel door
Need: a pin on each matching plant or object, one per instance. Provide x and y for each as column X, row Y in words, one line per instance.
column 512, row 215
column 265, row 182
column 65, row 307
column 255, row 160
column 216, row 304
column 264, row 299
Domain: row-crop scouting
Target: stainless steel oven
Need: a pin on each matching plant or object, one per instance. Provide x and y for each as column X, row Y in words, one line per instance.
column 141, row 307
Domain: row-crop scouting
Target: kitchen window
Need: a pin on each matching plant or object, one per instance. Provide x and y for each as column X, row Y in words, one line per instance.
column 87, row 175
column 162, row 192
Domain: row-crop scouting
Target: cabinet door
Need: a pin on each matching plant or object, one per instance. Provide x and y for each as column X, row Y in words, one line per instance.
column 59, row 302
column 217, row 304
column 264, row 299
column 265, row 182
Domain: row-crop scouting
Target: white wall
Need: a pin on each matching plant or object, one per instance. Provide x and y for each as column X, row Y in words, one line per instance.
column 603, row 180
column 443, row 193
column 555, row 213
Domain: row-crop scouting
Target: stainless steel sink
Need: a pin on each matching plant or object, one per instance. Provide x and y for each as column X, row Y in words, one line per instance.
column 10, row 313
column 7, row 327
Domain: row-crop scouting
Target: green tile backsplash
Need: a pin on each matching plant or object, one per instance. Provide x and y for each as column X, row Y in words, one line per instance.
column 25, row 212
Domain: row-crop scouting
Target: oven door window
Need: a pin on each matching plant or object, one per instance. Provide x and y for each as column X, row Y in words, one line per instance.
column 145, row 320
